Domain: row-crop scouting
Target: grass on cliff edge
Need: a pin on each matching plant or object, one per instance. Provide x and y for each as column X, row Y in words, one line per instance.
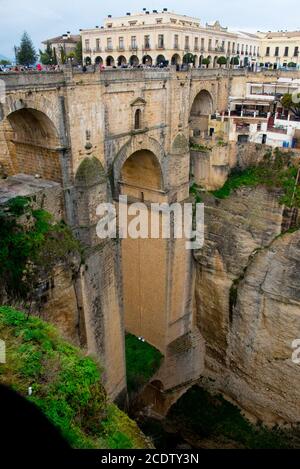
column 66, row 384
column 275, row 171
column 210, row 416
column 142, row 361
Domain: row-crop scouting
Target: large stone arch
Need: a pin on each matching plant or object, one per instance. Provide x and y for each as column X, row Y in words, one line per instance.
column 36, row 101
column 31, row 141
column 138, row 143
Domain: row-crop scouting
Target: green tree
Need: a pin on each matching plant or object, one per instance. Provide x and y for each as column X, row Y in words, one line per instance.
column 5, row 62
column 26, row 53
column 47, row 56
column 63, row 56
column 222, row 61
column 292, row 65
column 188, row 59
column 206, row 62
column 78, row 52
column 292, row 103
column 234, row 61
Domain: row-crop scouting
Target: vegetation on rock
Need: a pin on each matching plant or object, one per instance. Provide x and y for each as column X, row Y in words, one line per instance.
column 276, row 171
column 66, row 384
column 211, row 417
column 31, row 244
column 142, row 361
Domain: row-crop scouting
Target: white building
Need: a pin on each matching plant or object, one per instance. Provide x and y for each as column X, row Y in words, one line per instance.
column 155, row 37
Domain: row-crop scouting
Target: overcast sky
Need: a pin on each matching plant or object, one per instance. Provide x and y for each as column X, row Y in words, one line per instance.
column 43, row 19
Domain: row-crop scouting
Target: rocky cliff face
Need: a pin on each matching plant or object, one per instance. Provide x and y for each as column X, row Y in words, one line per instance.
column 248, row 303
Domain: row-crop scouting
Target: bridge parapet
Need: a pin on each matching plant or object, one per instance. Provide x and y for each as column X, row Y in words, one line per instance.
column 17, row 80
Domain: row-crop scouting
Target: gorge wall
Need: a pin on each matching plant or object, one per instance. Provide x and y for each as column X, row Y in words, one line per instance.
column 247, row 301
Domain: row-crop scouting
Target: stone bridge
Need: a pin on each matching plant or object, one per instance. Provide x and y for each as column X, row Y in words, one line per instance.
column 104, row 134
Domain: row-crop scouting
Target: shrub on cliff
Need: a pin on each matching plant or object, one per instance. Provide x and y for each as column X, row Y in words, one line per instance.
column 66, row 384
column 31, row 244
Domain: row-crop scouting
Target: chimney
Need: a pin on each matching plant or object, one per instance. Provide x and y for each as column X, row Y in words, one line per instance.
column 109, row 16
column 165, row 9
column 68, row 34
column 128, row 14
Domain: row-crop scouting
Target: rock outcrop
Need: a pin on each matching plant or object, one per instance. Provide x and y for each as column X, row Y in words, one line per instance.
column 248, row 303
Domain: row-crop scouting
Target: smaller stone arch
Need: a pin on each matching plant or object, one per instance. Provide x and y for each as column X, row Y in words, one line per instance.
column 88, row 61
column 110, row 61
column 121, row 61
column 98, row 60
column 134, row 61
column 215, row 61
column 147, row 60
column 201, row 60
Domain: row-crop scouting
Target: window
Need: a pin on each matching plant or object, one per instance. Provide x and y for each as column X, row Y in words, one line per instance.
column 233, row 47
column 161, row 41
column 87, row 44
column 223, row 46
column 268, row 51
column 121, row 43
column 109, row 43
column 202, row 44
column 147, row 42
column 98, row 44
column 137, row 119
column 296, row 51
column 133, row 42
column 176, row 41
column 228, row 47
column 196, row 43
column 276, row 51
column 238, row 49
column 187, row 43
column 286, row 51
column 209, row 44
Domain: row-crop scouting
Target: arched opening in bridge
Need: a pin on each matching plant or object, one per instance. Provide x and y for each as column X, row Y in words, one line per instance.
column 141, row 173
column 98, row 60
column 31, row 145
column 144, row 259
column 147, row 60
column 110, row 61
column 134, row 61
column 138, row 119
column 160, row 60
column 122, row 61
column 201, row 109
column 175, row 59
column 88, row 61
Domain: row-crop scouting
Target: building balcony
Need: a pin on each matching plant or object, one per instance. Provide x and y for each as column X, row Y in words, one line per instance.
column 176, row 46
column 147, row 47
column 109, row 49
column 133, row 48
column 98, row 49
column 121, row 49
column 87, row 50
column 160, row 47
column 202, row 49
column 187, row 48
column 196, row 48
